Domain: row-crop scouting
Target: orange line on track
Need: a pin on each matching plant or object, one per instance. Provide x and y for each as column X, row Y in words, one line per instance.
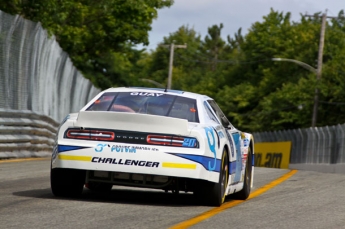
column 24, row 159
column 215, row 211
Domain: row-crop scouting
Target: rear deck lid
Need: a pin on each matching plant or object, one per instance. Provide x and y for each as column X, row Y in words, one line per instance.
column 132, row 122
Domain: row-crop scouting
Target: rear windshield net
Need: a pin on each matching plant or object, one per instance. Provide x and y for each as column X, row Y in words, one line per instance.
column 147, row 103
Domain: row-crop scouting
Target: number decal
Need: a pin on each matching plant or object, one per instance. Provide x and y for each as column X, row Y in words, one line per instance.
column 189, row 142
column 212, row 144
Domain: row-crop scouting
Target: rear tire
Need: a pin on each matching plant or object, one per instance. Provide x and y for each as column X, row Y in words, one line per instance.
column 213, row 194
column 244, row 193
column 67, row 182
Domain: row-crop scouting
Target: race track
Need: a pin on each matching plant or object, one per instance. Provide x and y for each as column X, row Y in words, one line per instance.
column 305, row 200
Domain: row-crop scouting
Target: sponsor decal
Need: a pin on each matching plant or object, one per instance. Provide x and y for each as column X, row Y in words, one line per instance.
column 99, row 147
column 115, row 161
column 147, row 94
column 212, row 145
column 145, row 148
column 237, row 140
column 246, row 142
column 123, row 149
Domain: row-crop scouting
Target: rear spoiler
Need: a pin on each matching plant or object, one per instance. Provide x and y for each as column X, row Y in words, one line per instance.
column 132, row 122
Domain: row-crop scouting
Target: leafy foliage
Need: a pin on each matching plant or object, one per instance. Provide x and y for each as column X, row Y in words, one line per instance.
column 255, row 92
column 94, row 33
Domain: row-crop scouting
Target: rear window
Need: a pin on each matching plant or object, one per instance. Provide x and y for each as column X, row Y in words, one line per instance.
column 147, row 103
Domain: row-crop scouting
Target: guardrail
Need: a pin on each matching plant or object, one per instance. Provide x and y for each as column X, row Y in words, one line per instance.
column 24, row 133
column 319, row 149
column 318, row 145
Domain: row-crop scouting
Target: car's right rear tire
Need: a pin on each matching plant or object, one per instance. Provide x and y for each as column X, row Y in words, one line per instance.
column 213, row 194
column 67, row 182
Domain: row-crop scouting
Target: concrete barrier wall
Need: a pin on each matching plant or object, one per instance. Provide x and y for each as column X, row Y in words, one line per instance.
column 36, row 74
column 26, row 134
column 39, row 86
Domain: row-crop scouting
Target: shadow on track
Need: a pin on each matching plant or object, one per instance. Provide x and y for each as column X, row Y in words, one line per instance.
column 121, row 196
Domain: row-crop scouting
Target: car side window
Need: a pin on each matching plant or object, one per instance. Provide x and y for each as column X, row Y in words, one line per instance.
column 103, row 103
column 210, row 113
column 184, row 108
column 219, row 113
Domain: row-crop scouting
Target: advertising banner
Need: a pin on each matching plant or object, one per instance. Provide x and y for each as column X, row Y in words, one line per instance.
column 272, row 154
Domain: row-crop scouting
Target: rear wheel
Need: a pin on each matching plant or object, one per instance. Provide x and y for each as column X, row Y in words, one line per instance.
column 244, row 193
column 99, row 187
column 67, row 182
column 214, row 193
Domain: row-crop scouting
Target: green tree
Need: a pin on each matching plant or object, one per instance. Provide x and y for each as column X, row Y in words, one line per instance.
column 214, row 44
column 257, row 78
column 93, row 33
column 279, row 95
column 186, row 72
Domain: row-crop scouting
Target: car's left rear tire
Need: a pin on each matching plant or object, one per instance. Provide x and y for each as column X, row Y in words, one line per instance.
column 67, row 182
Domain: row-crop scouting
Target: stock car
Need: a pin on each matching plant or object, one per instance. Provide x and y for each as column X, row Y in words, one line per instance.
column 152, row 138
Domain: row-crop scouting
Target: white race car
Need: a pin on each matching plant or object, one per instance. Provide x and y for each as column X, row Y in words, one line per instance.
column 152, row 138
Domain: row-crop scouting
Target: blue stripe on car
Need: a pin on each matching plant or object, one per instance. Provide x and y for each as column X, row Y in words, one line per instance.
column 203, row 160
column 232, row 167
column 64, row 148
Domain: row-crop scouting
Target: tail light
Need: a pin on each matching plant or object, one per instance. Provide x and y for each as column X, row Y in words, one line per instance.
column 172, row 141
column 130, row 137
column 95, row 135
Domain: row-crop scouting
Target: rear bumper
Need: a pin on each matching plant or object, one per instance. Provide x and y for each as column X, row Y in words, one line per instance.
column 143, row 160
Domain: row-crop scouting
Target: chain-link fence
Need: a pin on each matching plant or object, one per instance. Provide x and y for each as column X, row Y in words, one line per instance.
column 35, row 73
column 312, row 145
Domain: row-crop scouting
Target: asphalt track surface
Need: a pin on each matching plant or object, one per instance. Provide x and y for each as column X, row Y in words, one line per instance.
column 303, row 200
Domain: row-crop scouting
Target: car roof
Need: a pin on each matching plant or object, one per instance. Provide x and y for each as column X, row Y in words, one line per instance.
column 159, row 90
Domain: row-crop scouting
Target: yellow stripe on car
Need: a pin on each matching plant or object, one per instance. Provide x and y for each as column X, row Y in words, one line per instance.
column 74, row 158
column 178, row 165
